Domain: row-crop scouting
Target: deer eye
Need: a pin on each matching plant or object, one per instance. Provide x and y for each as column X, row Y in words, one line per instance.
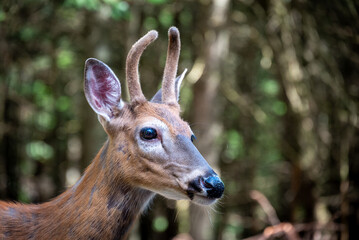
column 148, row 133
column 193, row 137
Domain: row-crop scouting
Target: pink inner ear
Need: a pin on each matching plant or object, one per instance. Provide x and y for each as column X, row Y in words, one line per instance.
column 104, row 88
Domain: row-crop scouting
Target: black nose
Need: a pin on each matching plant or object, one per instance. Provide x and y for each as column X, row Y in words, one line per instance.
column 213, row 186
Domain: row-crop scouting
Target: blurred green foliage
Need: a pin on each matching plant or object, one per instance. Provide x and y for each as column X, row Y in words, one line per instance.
column 285, row 105
column 160, row 224
column 235, row 148
column 39, row 150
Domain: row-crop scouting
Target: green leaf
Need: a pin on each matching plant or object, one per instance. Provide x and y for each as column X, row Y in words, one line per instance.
column 156, row 1
column 63, row 103
column 43, row 95
column 23, row 196
column 39, row 150
column 2, row 15
column 64, row 58
column 160, row 224
column 279, row 108
column 87, row 4
column 270, row 87
column 120, row 10
column 235, row 147
column 28, row 33
column 166, row 18
column 45, row 120
column 111, row 2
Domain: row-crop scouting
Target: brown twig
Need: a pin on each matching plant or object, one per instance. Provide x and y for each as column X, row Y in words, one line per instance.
column 300, row 227
column 267, row 207
column 277, row 227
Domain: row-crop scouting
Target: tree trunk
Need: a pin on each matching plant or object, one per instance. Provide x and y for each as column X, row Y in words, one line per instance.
column 10, row 148
column 284, row 39
column 206, row 125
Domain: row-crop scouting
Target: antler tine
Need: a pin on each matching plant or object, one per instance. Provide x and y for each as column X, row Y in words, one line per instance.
column 169, row 75
column 132, row 62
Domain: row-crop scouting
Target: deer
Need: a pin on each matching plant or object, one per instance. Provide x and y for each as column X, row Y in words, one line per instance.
column 149, row 150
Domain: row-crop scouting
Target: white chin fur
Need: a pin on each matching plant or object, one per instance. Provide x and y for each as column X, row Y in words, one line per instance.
column 197, row 199
column 200, row 200
column 171, row 194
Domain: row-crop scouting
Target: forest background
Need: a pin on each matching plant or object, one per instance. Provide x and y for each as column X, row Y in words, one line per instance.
column 272, row 94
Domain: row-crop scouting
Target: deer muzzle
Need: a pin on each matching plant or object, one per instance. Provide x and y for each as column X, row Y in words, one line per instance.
column 204, row 185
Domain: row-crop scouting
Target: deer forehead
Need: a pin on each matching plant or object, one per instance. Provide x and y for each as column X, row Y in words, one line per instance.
column 167, row 115
column 159, row 116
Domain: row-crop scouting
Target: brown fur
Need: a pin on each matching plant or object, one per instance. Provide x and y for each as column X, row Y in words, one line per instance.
column 106, row 200
column 116, row 186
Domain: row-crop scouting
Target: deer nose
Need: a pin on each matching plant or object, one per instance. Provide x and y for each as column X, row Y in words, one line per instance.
column 213, row 186
column 209, row 185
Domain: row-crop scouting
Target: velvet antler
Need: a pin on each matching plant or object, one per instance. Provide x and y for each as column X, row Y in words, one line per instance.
column 169, row 75
column 132, row 62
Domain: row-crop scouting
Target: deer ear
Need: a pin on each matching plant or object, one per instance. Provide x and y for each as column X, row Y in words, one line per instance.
column 102, row 88
column 157, row 98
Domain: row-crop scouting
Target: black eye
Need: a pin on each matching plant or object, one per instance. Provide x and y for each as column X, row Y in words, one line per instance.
column 193, row 137
column 148, row 133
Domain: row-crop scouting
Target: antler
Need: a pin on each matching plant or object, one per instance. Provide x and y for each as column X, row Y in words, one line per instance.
column 169, row 75
column 132, row 62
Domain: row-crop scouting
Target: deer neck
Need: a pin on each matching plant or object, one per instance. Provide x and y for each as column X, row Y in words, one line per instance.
column 99, row 207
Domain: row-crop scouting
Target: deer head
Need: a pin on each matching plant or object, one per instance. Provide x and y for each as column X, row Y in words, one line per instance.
column 149, row 145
